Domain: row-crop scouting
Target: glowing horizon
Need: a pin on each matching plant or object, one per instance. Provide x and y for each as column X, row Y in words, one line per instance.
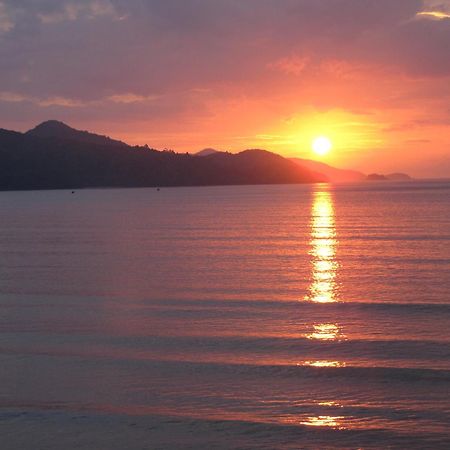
column 238, row 75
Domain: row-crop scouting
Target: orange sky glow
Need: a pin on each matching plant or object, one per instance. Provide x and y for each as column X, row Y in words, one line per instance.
column 372, row 76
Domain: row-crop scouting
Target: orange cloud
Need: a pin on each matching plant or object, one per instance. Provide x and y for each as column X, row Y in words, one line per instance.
column 292, row 65
column 434, row 15
column 131, row 98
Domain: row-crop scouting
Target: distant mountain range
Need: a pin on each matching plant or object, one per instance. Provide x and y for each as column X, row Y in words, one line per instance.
column 332, row 173
column 388, row 177
column 56, row 156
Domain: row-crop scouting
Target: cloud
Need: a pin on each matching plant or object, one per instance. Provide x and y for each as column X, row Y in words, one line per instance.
column 436, row 5
column 131, row 98
column 292, row 65
column 437, row 15
column 60, row 101
column 6, row 23
column 127, row 98
column 13, row 97
column 435, row 10
column 71, row 11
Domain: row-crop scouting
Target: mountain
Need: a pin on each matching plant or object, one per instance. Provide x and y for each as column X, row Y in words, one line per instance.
column 56, row 129
column 251, row 164
column 207, row 152
column 55, row 156
column 376, row 177
column 389, row 177
column 333, row 174
column 398, row 177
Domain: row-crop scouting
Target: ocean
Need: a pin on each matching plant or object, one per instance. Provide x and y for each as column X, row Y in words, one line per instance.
column 243, row 317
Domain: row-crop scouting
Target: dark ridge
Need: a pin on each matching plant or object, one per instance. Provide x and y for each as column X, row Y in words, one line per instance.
column 389, row 177
column 398, row 177
column 56, row 129
column 55, row 156
column 207, row 152
column 376, row 177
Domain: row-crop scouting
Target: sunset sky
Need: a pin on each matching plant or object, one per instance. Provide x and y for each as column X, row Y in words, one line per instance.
column 372, row 75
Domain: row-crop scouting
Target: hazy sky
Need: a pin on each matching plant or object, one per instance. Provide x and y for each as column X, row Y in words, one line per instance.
column 373, row 75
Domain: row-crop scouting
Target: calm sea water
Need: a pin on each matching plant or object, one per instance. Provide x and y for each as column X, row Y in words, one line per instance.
column 228, row 317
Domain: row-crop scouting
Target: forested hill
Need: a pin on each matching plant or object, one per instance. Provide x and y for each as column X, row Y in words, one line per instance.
column 55, row 156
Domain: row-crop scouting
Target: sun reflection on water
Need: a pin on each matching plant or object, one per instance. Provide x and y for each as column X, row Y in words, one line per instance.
column 326, row 332
column 324, row 364
column 323, row 421
column 336, row 404
column 324, row 289
column 323, row 244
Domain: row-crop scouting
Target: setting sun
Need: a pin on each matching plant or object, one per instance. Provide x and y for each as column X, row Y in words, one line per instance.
column 322, row 146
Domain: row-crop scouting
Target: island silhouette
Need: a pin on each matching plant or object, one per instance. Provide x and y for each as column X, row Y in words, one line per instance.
column 54, row 155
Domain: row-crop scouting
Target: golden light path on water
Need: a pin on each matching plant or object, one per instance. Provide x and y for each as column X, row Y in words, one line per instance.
column 323, row 249
column 324, row 289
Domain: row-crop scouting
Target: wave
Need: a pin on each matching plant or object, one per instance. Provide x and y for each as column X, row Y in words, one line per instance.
column 388, row 373
column 286, row 304
column 172, row 429
column 236, row 365
column 372, row 349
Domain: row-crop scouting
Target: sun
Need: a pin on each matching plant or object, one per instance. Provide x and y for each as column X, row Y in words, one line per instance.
column 322, row 146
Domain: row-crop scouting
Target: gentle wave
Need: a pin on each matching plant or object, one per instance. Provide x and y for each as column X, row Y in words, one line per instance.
column 237, row 430
column 255, row 304
column 339, row 348
column 303, row 369
column 388, row 373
